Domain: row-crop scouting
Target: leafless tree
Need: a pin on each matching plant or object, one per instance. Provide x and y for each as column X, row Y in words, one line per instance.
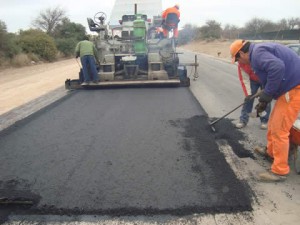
column 257, row 25
column 48, row 19
column 254, row 25
column 230, row 32
column 293, row 23
column 283, row 24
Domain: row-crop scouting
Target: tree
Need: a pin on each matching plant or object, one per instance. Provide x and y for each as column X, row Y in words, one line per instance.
column 38, row 43
column 8, row 46
column 231, row 32
column 212, row 29
column 187, row 34
column 283, row 24
column 293, row 23
column 255, row 25
column 48, row 19
column 3, row 34
column 67, row 34
column 269, row 26
column 68, row 29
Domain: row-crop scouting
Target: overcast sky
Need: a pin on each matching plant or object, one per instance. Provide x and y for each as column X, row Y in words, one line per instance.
column 18, row 14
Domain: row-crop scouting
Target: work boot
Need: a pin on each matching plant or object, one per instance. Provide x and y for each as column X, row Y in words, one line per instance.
column 271, row 177
column 95, row 82
column 85, row 83
column 261, row 150
column 240, row 125
column 264, row 126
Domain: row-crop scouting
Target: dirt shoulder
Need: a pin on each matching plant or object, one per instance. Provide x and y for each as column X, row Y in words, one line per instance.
column 22, row 85
column 219, row 49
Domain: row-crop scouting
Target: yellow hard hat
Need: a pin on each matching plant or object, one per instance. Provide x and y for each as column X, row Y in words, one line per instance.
column 176, row 6
column 235, row 47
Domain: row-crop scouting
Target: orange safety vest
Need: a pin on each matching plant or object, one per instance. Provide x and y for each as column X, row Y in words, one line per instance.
column 170, row 10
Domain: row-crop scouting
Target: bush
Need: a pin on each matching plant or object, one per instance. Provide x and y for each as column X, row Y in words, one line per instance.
column 8, row 46
column 39, row 43
column 20, row 60
column 66, row 46
column 60, row 55
column 12, row 48
column 33, row 57
column 4, row 62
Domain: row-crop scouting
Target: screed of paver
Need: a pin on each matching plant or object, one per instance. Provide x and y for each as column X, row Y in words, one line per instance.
column 121, row 152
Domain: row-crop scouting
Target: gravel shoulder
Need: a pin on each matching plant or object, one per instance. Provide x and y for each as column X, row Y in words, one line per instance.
column 22, row 85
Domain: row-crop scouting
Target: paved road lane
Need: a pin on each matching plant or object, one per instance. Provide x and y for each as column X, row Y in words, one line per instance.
column 120, row 151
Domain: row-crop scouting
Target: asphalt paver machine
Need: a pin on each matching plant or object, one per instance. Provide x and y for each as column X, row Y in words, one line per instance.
column 134, row 54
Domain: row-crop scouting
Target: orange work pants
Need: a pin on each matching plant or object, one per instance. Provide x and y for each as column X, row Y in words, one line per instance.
column 283, row 116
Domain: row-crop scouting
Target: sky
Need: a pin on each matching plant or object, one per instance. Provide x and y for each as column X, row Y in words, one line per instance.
column 18, row 14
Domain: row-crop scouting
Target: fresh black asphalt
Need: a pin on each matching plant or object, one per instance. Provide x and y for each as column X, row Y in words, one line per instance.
column 120, row 152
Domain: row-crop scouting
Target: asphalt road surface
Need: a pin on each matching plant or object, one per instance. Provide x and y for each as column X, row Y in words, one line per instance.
column 182, row 163
column 137, row 151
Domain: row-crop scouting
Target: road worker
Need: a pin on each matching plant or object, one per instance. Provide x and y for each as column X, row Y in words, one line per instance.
column 278, row 69
column 171, row 18
column 87, row 52
column 250, row 84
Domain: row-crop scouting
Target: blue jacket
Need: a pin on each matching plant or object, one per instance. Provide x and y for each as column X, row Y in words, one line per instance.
column 277, row 67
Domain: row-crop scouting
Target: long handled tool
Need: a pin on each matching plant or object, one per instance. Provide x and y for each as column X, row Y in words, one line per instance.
column 78, row 64
column 222, row 117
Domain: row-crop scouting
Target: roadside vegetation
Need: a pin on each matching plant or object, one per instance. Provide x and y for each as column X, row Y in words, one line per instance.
column 53, row 36
column 255, row 29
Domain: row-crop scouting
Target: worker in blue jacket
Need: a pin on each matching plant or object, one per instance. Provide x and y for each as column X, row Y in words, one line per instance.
column 278, row 69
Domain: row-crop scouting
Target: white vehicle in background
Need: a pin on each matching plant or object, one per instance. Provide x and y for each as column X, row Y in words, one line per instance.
column 295, row 47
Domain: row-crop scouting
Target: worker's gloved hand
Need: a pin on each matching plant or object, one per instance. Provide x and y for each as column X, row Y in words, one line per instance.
column 247, row 98
column 263, row 97
column 77, row 55
column 264, row 100
column 261, row 107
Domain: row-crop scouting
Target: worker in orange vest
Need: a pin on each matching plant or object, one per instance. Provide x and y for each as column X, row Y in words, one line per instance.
column 171, row 18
